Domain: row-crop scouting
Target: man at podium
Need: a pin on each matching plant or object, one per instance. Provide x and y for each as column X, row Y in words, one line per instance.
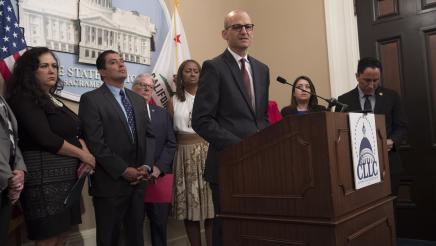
column 369, row 96
column 232, row 98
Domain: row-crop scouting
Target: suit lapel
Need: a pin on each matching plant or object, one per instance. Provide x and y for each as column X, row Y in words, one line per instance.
column 237, row 76
column 115, row 105
column 155, row 120
column 355, row 106
column 11, row 118
column 153, row 113
column 3, row 116
column 379, row 98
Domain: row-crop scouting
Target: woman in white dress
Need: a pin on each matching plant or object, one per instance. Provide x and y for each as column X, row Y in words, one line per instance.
column 192, row 195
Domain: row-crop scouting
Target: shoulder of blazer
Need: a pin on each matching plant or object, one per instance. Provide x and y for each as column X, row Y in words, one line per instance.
column 257, row 62
column 133, row 95
column 385, row 91
column 158, row 109
column 225, row 57
column 352, row 93
column 100, row 90
column 221, row 64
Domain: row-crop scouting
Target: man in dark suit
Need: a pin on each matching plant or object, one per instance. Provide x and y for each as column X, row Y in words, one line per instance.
column 368, row 96
column 12, row 167
column 232, row 98
column 165, row 148
column 118, row 133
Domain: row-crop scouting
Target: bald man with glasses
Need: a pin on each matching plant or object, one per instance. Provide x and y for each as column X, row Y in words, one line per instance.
column 232, row 98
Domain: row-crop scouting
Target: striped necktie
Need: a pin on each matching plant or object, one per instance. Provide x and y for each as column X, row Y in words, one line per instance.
column 246, row 79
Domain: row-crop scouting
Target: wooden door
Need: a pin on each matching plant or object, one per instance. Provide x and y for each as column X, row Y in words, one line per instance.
column 402, row 34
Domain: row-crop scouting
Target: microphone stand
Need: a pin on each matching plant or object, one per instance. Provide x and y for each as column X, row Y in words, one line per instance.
column 331, row 102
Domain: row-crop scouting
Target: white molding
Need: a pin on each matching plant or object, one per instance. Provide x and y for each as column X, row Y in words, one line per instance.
column 342, row 45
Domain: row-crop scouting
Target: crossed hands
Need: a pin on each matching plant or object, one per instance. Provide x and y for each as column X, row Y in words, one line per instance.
column 136, row 175
column 87, row 164
column 16, row 185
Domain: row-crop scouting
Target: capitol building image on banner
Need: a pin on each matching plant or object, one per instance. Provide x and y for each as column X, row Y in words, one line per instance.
column 87, row 29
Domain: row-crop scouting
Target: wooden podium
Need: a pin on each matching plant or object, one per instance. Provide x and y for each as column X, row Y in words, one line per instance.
column 292, row 184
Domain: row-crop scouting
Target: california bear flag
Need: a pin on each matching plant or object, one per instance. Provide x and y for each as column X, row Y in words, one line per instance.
column 174, row 51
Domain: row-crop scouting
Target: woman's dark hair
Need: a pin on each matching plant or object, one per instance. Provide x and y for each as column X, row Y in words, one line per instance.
column 313, row 101
column 180, row 84
column 23, row 80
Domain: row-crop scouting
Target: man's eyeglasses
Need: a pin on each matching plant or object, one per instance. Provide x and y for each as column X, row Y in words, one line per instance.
column 238, row 27
column 144, row 86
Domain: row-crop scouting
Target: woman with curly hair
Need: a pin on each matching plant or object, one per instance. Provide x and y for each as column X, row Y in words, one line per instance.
column 302, row 101
column 52, row 148
column 193, row 197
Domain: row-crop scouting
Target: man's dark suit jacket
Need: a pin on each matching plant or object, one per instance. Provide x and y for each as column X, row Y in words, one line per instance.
column 222, row 112
column 5, row 168
column 165, row 149
column 165, row 139
column 387, row 102
column 108, row 137
column 5, row 147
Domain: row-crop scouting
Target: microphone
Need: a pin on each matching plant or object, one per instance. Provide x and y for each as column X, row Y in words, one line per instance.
column 331, row 102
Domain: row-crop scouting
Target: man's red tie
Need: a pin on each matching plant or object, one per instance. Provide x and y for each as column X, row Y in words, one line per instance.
column 246, row 79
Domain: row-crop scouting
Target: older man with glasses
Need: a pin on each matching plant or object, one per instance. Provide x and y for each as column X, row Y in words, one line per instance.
column 232, row 99
column 165, row 148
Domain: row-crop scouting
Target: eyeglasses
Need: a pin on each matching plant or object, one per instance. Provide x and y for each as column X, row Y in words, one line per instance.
column 238, row 27
column 145, row 86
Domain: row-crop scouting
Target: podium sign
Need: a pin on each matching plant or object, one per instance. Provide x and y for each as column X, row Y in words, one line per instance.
column 364, row 149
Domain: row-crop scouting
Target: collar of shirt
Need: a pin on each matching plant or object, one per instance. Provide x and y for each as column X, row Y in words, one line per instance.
column 238, row 57
column 362, row 98
column 115, row 90
column 116, row 93
column 361, row 95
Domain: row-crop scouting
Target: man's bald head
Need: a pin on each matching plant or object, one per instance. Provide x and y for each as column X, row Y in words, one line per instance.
column 228, row 18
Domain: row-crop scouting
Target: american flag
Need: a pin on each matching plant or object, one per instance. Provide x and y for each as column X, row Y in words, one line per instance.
column 12, row 43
